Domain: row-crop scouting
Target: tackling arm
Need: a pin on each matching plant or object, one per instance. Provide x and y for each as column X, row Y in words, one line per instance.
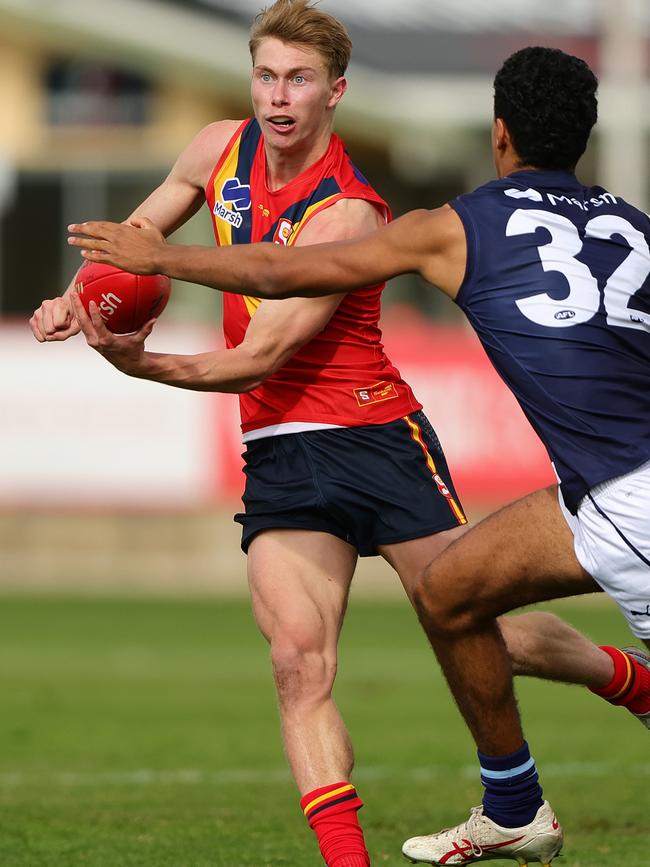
column 275, row 332
column 430, row 243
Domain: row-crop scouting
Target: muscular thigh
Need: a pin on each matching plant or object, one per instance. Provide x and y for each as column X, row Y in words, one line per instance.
column 299, row 582
column 520, row 555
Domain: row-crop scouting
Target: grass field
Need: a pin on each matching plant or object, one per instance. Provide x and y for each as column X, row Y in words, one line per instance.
column 144, row 732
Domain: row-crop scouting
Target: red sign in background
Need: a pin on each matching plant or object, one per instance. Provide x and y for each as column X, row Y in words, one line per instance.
column 76, row 432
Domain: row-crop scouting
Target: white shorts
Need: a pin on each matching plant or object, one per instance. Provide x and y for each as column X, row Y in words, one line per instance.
column 611, row 535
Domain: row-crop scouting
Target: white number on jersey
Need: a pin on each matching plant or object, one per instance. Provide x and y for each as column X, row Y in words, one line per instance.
column 583, row 300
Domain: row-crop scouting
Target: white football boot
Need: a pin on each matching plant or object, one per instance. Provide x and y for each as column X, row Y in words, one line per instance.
column 643, row 659
column 481, row 839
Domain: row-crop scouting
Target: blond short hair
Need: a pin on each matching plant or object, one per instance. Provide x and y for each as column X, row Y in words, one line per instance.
column 298, row 22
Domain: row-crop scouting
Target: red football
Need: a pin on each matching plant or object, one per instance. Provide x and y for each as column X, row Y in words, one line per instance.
column 125, row 301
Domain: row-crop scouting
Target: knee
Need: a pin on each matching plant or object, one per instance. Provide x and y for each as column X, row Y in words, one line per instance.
column 444, row 606
column 303, row 669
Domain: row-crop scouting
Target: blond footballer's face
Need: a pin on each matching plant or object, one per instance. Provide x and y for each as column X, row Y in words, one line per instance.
column 293, row 94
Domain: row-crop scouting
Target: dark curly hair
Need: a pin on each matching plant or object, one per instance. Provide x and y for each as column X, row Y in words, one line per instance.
column 548, row 101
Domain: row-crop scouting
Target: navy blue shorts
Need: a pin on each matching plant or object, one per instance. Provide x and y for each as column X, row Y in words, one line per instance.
column 372, row 485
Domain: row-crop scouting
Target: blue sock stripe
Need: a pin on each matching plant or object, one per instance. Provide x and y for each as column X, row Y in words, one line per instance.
column 512, row 791
column 511, row 772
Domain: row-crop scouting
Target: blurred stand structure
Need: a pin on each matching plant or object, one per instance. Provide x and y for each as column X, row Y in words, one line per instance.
column 98, row 99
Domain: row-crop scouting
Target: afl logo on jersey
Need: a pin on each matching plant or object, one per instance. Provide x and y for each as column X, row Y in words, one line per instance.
column 283, row 232
column 564, row 314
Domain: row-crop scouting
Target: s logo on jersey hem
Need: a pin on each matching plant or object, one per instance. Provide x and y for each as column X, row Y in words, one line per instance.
column 376, row 393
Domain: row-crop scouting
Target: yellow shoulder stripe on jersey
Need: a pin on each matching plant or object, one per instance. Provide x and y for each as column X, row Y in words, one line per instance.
column 227, row 170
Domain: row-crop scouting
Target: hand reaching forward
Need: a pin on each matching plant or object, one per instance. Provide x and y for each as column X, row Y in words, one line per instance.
column 131, row 246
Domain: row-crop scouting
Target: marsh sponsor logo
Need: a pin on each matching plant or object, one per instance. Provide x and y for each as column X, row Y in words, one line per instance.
column 234, row 195
column 583, row 204
column 228, row 216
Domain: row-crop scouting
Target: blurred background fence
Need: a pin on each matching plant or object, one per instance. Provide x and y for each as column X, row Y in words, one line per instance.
column 106, row 482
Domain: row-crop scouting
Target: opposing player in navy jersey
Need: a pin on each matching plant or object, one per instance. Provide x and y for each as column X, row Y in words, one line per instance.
column 553, row 276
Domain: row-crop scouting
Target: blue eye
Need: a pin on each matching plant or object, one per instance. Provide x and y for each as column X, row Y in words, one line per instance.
column 299, row 79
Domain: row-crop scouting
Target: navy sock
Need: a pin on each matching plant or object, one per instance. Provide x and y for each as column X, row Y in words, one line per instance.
column 513, row 794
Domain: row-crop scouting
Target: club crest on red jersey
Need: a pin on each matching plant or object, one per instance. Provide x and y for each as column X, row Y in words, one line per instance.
column 375, row 393
column 283, row 232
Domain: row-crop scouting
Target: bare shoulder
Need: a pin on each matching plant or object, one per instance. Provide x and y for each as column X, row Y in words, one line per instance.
column 441, row 227
column 216, row 134
column 436, row 240
column 203, row 152
column 342, row 221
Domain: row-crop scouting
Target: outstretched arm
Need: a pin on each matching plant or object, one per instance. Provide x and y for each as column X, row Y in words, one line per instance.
column 430, row 243
column 276, row 330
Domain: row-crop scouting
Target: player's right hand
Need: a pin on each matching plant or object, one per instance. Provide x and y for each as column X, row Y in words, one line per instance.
column 54, row 320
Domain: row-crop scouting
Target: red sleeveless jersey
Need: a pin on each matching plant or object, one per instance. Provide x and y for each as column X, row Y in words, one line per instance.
column 342, row 375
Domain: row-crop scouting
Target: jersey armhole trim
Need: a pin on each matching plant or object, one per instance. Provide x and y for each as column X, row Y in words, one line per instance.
column 472, row 241
column 378, row 204
column 224, row 153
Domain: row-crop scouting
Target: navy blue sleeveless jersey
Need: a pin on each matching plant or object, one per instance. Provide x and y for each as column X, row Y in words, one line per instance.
column 557, row 290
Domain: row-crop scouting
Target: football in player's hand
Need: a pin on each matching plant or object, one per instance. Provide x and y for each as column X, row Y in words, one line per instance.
column 125, row 301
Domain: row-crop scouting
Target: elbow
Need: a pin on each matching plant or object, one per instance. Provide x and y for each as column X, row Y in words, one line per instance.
column 271, row 289
column 250, row 385
column 281, row 279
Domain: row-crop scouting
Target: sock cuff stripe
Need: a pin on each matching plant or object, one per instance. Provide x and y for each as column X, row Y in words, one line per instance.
column 629, row 672
column 510, row 772
column 333, row 793
column 351, row 797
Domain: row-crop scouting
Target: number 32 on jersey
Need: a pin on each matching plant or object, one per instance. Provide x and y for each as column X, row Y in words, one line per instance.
column 583, row 300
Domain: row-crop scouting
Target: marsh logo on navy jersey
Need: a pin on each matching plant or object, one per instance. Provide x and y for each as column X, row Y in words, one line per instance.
column 236, row 194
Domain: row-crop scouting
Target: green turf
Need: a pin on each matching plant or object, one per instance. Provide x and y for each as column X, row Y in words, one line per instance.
column 144, row 733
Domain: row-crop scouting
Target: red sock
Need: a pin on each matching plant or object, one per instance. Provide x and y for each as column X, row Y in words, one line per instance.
column 630, row 686
column 332, row 814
